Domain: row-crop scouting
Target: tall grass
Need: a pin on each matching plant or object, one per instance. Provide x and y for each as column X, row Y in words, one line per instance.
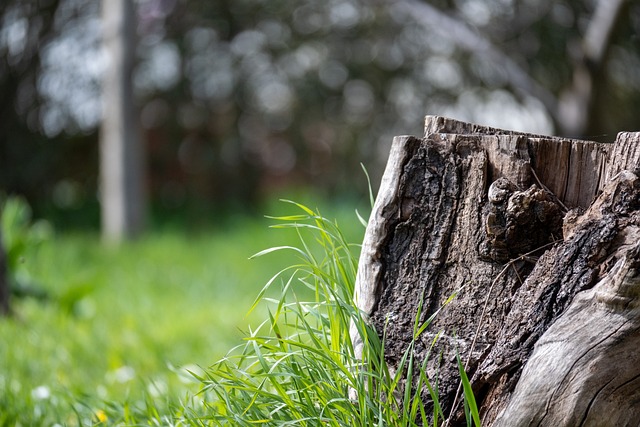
column 114, row 320
column 301, row 366
column 96, row 353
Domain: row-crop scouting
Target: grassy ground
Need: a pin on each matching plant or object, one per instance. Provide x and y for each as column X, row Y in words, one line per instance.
column 125, row 325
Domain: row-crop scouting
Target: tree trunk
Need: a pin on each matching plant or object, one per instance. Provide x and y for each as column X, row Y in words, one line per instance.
column 539, row 238
column 121, row 153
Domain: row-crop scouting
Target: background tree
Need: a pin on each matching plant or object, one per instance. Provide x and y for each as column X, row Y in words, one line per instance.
column 48, row 149
column 121, row 152
column 238, row 98
column 576, row 105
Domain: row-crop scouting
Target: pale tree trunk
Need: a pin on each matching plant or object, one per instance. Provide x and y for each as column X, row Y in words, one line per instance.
column 539, row 238
column 579, row 110
column 575, row 111
column 121, row 152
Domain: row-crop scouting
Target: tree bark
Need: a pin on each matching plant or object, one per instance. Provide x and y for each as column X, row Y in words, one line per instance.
column 121, row 152
column 538, row 237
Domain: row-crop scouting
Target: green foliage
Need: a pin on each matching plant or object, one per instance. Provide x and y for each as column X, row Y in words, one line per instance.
column 116, row 319
column 126, row 341
column 19, row 236
column 470, row 407
column 282, row 90
column 302, row 365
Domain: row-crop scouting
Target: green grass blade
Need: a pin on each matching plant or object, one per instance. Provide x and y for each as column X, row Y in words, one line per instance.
column 469, row 398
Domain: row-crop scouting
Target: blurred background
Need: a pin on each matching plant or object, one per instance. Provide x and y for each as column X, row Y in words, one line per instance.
column 233, row 101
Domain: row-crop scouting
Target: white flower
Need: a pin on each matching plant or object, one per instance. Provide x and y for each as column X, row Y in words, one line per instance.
column 122, row 375
column 41, row 392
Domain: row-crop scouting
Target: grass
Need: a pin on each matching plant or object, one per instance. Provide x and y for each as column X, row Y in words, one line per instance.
column 303, row 366
column 124, row 325
column 127, row 334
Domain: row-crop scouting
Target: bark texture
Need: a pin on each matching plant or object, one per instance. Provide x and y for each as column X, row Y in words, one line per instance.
column 538, row 237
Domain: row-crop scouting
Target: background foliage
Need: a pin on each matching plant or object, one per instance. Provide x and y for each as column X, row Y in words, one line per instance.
column 238, row 98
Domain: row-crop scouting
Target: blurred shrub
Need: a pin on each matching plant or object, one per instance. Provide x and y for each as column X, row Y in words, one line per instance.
column 20, row 237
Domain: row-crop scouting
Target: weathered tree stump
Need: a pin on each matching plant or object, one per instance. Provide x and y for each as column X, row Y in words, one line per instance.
column 540, row 239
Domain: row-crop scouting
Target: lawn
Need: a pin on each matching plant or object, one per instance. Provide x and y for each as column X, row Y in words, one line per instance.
column 122, row 328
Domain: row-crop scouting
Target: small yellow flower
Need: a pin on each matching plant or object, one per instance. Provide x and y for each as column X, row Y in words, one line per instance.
column 101, row 416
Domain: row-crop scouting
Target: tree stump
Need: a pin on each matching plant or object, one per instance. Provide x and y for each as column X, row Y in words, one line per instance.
column 539, row 238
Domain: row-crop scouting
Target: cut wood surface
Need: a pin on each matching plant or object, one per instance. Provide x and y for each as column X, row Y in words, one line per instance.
column 538, row 237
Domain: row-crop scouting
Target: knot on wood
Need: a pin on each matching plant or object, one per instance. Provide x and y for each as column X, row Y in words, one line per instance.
column 518, row 221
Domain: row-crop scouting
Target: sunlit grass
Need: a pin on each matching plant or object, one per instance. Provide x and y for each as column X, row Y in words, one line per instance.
column 128, row 336
column 304, row 366
column 125, row 325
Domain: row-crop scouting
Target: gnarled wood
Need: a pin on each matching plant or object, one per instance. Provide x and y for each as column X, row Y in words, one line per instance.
column 481, row 212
